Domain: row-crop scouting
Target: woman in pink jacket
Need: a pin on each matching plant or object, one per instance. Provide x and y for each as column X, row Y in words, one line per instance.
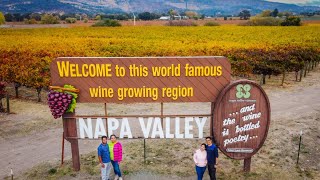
column 115, row 149
column 200, row 159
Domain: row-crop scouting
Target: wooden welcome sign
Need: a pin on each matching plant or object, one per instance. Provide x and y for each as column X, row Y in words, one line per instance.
column 241, row 120
column 240, row 112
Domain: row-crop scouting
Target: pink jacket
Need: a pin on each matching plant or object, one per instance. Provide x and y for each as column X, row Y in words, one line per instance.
column 200, row 158
column 117, row 152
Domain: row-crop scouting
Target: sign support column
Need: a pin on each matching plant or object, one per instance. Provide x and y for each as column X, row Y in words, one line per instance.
column 70, row 132
column 247, row 164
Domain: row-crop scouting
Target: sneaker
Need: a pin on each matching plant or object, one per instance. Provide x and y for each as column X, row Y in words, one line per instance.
column 120, row 178
column 116, row 177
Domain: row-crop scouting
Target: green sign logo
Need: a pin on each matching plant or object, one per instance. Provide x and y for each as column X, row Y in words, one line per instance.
column 243, row 91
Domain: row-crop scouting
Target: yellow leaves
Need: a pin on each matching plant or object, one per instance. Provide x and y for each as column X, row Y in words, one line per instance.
column 37, row 47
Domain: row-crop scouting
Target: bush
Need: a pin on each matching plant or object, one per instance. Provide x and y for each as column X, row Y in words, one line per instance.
column 85, row 20
column 49, row 19
column 291, row 21
column 30, row 21
column 52, row 171
column 71, row 20
column 107, row 22
column 98, row 17
column 2, row 18
column 263, row 21
column 211, row 24
column 181, row 23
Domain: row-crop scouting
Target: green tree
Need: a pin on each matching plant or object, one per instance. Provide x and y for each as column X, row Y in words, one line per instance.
column 275, row 13
column 291, row 21
column 280, row 14
column 9, row 17
column 71, row 20
column 245, row 14
column 146, row 16
column 172, row 13
column 2, row 18
column 35, row 16
column 98, row 17
column 17, row 17
column 107, row 22
column 49, row 19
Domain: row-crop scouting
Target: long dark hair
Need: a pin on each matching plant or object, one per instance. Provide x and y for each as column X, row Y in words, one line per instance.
column 205, row 146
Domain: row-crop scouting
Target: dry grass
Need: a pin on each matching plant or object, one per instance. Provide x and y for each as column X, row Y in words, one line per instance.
column 173, row 159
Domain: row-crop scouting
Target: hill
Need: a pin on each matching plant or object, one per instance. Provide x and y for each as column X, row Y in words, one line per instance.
column 208, row 7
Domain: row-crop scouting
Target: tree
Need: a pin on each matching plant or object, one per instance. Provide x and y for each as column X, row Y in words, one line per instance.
column 203, row 16
column 245, row 14
column 291, row 21
column 49, row 19
column 147, row 16
column 9, row 17
column 30, row 21
column 280, row 14
column 2, row 18
column 35, row 16
column 107, row 22
column 71, row 20
column 275, row 13
column 265, row 13
column 2, row 94
column 172, row 13
column 17, row 17
column 287, row 13
column 98, row 17
column 191, row 14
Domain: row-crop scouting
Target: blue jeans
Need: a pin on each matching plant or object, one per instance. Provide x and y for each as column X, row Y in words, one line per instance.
column 105, row 172
column 200, row 171
column 116, row 168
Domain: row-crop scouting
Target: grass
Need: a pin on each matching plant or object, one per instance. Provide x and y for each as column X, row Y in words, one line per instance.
column 165, row 158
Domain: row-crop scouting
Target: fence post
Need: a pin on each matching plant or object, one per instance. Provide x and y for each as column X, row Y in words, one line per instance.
column 8, row 104
column 144, row 150
column 299, row 147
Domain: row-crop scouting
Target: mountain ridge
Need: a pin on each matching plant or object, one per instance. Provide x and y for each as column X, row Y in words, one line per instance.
column 208, row 7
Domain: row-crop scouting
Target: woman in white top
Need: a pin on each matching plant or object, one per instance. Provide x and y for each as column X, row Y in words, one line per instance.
column 200, row 159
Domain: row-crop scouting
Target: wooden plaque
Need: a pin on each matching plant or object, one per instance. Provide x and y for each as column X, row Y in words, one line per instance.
column 177, row 81
column 241, row 119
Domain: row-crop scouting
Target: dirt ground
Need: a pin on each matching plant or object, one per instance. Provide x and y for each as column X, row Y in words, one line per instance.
column 30, row 140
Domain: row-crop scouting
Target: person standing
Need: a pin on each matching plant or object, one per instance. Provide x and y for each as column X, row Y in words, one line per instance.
column 104, row 158
column 200, row 159
column 212, row 158
column 115, row 149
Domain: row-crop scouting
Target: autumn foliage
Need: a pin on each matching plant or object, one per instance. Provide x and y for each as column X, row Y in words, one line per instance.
column 25, row 54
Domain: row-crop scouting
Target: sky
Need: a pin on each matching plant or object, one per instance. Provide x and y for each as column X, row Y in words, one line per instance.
column 302, row 2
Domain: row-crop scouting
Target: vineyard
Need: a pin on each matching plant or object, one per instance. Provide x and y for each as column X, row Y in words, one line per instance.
column 25, row 54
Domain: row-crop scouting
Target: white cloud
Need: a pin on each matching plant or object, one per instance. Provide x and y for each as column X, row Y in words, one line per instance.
column 309, row 2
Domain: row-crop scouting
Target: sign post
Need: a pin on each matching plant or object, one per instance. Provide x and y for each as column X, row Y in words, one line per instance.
column 70, row 131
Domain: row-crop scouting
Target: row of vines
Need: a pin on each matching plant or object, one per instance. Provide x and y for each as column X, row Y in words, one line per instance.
column 25, row 54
